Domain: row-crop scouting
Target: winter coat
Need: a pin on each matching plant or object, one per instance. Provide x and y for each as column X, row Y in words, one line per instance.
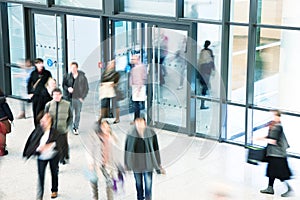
column 80, row 86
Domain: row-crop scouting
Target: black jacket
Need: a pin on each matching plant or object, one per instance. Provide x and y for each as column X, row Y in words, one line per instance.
column 33, row 141
column 5, row 112
column 80, row 86
column 34, row 77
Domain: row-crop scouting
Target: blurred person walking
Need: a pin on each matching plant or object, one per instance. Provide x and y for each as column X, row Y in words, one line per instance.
column 142, row 157
column 61, row 113
column 109, row 81
column 45, row 142
column 36, row 84
column 205, row 67
column 137, row 81
column 100, row 157
column 277, row 155
column 6, row 117
column 76, row 88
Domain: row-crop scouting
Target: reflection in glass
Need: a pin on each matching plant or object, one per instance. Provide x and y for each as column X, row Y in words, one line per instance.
column 16, row 33
column 35, row 1
column 277, row 69
column 160, row 7
column 235, row 124
column 240, row 11
column 207, row 9
column 92, row 4
column 169, row 75
column 237, row 71
column 212, row 33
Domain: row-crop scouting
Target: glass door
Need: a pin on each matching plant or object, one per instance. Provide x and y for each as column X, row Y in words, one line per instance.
column 169, row 75
column 48, row 30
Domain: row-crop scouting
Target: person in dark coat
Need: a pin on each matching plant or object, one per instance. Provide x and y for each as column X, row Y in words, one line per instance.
column 36, row 88
column 277, row 156
column 45, row 143
column 142, row 157
column 75, row 89
column 5, row 114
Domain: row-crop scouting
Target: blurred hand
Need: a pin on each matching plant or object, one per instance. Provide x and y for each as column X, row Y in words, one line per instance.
column 81, row 100
column 163, row 171
column 30, row 96
column 70, row 89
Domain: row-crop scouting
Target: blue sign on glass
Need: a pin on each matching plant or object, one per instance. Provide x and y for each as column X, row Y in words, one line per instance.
column 49, row 62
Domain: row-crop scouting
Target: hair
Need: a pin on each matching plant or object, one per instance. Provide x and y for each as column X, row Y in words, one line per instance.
column 38, row 60
column 57, row 90
column 276, row 112
column 206, row 43
column 74, row 63
column 48, row 81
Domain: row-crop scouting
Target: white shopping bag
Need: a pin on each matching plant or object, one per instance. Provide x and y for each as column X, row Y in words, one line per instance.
column 139, row 93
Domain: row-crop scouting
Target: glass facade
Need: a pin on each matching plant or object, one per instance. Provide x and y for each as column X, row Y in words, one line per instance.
column 91, row 4
column 255, row 59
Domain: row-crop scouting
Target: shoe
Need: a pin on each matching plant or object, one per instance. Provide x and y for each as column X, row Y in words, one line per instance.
column 75, row 131
column 116, row 121
column 204, row 107
column 269, row 190
column 131, row 123
column 288, row 193
column 53, row 195
column 5, row 152
column 179, row 87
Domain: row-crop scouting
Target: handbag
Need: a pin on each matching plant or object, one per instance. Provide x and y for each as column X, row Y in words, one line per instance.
column 5, row 126
column 119, row 95
column 139, row 93
column 256, row 154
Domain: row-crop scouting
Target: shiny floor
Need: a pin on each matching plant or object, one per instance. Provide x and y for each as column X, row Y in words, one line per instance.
column 196, row 169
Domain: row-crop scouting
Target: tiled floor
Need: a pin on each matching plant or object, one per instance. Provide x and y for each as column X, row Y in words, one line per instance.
column 196, row 169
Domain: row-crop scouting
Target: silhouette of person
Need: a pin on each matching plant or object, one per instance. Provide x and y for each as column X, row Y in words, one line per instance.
column 205, row 67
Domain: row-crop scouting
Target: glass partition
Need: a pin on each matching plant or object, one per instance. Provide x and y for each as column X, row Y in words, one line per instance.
column 235, row 124
column 240, row 11
column 92, row 4
column 279, row 12
column 33, row 1
column 157, row 7
column 16, row 33
column 277, row 70
column 237, row 71
column 205, row 9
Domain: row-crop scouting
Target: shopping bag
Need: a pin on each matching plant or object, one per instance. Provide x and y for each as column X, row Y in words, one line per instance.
column 256, row 155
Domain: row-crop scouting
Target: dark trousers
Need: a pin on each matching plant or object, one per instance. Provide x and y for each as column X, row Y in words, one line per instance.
column 147, row 176
column 65, row 147
column 137, row 109
column 76, row 107
column 42, row 164
column 38, row 106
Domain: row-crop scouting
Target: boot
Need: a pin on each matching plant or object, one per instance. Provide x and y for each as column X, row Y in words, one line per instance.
column 202, row 107
column 269, row 190
column 117, row 116
column 288, row 193
column 95, row 190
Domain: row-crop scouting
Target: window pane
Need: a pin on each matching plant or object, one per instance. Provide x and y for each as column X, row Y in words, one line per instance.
column 277, row 69
column 237, row 70
column 240, row 11
column 16, row 33
column 235, row 124
column 157, row 7
column 280, row 12
column 92, row 4
column 209, row 82
column 207, row 9
column 19, row 78
column 34, row 1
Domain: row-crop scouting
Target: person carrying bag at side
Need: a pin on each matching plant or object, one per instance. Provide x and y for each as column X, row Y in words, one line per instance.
column 6, row 117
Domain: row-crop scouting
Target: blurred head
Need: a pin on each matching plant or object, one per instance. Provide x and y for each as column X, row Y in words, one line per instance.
column 46, row 121
column 51, row 83
column 111, row 64
column 39, row 64
column 105, row 128
column 135, row 59
column 57, row 94
column 206, row 44
column 277, row 114
column 74, row 67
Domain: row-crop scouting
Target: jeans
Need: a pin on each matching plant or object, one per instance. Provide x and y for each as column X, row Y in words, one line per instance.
column 42, row 164
column 139, row 185
column 76, row 106
column 137, row 109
